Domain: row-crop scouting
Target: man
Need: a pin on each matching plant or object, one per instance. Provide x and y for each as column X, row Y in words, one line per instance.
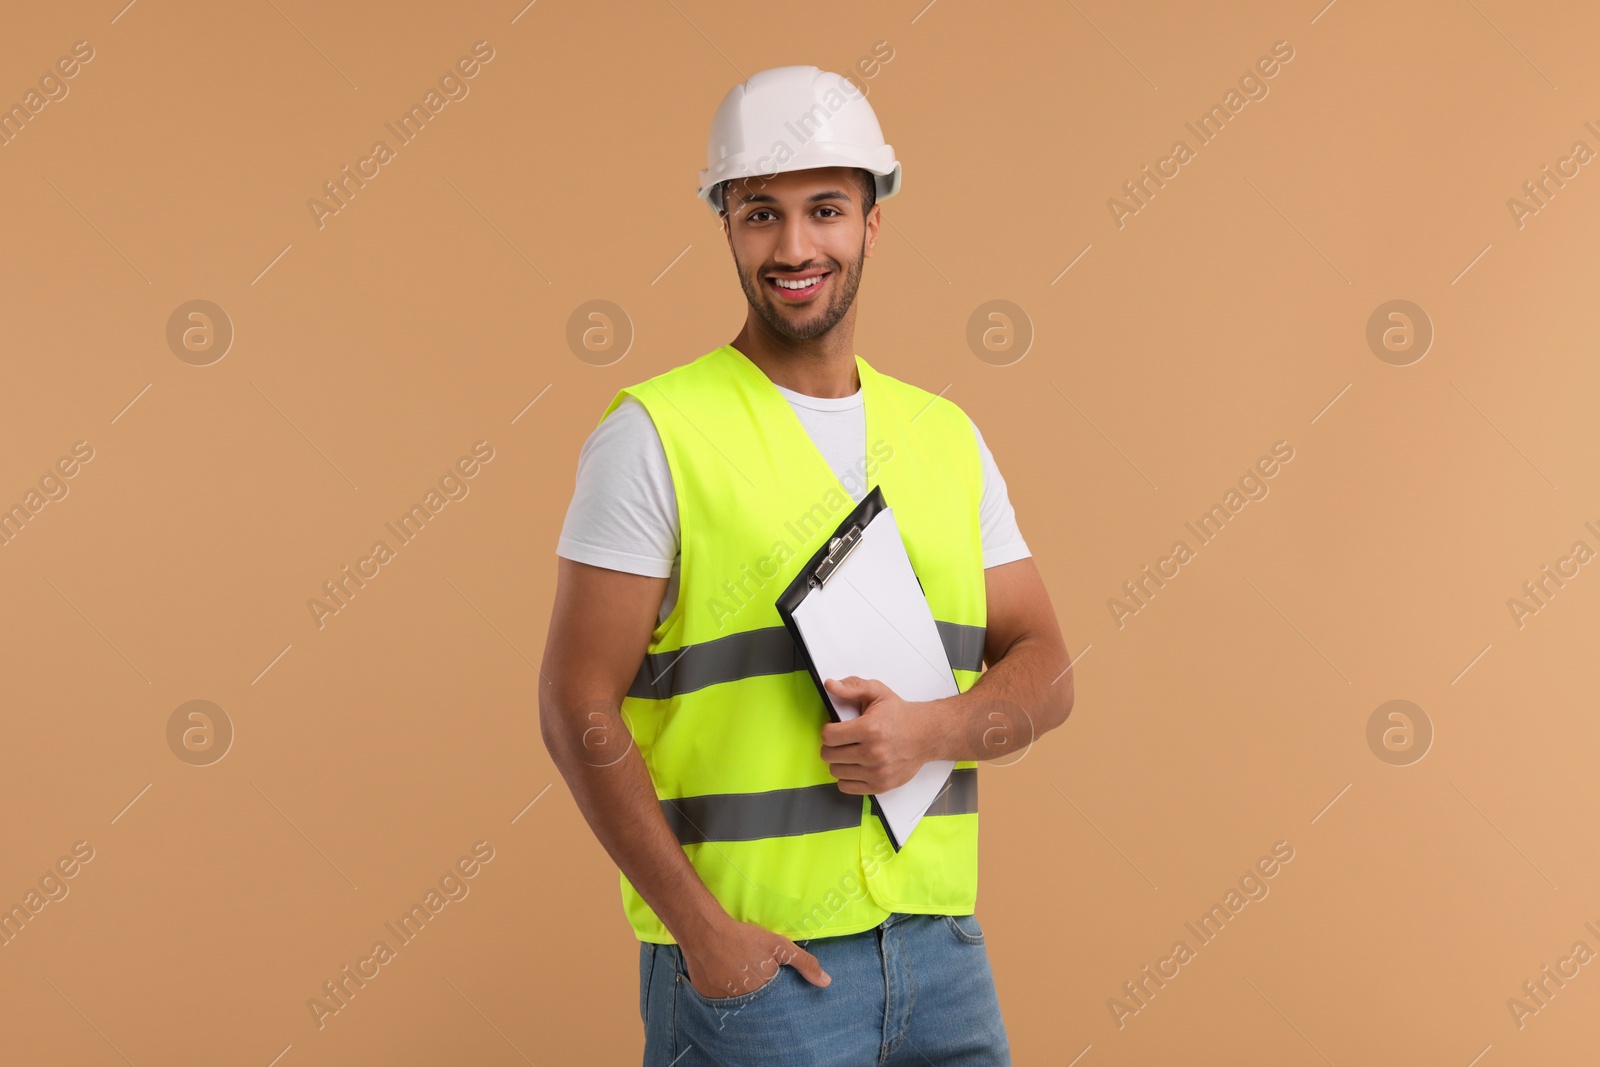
column 676, row 705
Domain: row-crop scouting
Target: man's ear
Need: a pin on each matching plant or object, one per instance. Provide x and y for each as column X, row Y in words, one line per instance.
column 870, row 236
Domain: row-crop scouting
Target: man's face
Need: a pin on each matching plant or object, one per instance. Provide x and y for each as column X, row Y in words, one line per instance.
column 803, row 226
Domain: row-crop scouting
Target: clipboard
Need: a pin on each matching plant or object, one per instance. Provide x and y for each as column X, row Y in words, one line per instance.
column 857, row 607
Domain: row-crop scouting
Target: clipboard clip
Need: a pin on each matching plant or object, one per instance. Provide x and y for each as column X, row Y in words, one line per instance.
column 838, row 549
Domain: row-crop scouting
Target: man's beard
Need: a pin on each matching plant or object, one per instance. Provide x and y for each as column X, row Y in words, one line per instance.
column 820, row 320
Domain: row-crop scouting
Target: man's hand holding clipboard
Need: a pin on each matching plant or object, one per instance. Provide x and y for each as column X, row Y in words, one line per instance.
column 883, row 747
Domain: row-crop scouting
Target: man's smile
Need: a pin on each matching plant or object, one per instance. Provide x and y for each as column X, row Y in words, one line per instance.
column 799, row 287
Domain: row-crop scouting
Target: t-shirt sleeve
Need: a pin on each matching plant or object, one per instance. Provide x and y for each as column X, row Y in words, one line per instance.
column 1002, row 540
column 624, row 511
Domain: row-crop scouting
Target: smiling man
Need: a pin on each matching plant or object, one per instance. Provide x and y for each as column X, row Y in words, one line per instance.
column 679, row 710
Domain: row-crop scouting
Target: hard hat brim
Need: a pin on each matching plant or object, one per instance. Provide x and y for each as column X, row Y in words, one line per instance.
column 886, row 170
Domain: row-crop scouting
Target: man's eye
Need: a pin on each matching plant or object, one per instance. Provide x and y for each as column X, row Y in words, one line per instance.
column 835, row 210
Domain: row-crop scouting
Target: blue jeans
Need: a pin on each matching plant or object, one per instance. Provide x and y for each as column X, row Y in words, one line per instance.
column 914, row 990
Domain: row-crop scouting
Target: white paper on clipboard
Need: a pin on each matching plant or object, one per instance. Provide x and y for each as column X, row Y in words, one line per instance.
column 871, row 619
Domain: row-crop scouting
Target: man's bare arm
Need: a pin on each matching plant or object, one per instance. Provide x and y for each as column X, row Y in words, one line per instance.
column 1027, row 674
column 600, row 630
column 1026, row 691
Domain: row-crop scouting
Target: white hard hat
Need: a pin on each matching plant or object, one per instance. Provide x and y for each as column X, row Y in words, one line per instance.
column 794, row 118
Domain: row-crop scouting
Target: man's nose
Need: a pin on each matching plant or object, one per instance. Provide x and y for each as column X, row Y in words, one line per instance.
column 795, row 243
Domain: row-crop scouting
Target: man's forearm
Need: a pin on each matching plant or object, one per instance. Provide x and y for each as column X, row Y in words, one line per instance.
column 1028, row 692
column 619, row 802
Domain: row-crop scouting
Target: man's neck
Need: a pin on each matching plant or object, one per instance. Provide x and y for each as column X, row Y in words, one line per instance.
column 822, row 367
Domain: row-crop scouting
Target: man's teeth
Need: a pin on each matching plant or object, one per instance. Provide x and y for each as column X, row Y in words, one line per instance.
column 806, row 284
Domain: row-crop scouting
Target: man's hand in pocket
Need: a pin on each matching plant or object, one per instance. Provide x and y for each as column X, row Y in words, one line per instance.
column 737, row 958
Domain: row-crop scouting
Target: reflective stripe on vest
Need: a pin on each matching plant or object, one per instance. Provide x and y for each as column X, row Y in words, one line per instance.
column 769, row 650
column 809, row 809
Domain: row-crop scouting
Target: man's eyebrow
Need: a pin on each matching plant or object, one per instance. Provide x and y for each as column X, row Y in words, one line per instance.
column 768, row 198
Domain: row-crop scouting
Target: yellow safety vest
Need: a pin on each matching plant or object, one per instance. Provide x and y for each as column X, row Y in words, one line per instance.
column 723, row 711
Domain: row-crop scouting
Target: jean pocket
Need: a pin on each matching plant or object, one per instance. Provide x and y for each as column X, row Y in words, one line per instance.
column 733, row 1003
column 965, row 928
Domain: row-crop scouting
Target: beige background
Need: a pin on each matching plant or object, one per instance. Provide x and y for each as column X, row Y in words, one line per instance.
column 370, row 353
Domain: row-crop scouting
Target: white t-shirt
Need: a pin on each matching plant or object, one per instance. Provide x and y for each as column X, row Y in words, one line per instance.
column 624, row 511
